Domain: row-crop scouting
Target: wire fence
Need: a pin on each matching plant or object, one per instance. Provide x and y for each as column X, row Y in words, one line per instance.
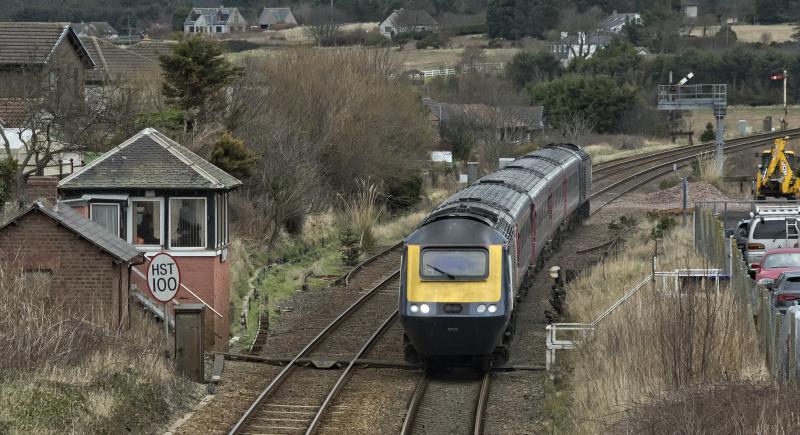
column 778, row 333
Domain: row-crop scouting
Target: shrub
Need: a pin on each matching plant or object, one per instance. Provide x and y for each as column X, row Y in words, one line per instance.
column 350, row 249
column 495, row 43
column 235, row 46
column 434, row 40
column 668, row 182
column 708, row 134
column 403, row 193
column 467, row 29
column 362, row 211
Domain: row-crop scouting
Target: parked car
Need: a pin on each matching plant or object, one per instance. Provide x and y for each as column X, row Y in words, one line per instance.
column 772, row 227
column 786, row 290
column 741, row 232
column 775, row 262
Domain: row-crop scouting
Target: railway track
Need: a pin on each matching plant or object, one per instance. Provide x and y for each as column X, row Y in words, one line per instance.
column 360, row 270
column 606, row 169
column 660, row 164
column 298, row 398
column 454, row 406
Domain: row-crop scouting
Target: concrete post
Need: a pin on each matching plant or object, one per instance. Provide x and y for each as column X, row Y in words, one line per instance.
column 472, row 172
column 719, row 115
column 189, row 341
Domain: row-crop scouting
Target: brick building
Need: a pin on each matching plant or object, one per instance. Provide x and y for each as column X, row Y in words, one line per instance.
column 84, row 266
column 160, row 197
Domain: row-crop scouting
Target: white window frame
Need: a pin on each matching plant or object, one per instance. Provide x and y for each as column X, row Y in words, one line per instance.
column 205, row 225
column 91, row 213
column 220, row 199
column 160, row 201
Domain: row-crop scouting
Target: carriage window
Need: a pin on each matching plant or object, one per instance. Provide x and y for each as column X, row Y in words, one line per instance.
column 454, row 264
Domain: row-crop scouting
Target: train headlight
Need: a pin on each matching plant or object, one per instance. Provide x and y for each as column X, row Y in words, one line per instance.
column 492, row 308
column 481, row 308
column 414, row 308
column 425, row 308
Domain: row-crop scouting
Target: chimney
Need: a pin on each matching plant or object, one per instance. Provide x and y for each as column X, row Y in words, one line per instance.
column 42, row 188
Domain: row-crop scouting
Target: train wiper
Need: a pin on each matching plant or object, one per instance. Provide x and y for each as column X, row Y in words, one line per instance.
column 447, row 274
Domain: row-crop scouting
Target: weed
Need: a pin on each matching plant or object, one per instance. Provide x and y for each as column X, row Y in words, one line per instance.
column 664, row 225
column 668, row 182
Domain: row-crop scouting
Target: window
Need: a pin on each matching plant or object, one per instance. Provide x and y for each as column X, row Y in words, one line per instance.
column 388, row 29
column 779, row 261
column 222, row 219
column 454, row 264
column 219, row 29
column 187, row 222
column 107, row 216
column 146, row 222
column 773, row 229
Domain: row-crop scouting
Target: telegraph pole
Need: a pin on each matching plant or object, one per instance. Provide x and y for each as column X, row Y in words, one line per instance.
column 785, row 120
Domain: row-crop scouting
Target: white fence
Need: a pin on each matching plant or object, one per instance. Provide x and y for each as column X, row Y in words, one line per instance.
column 477, row 67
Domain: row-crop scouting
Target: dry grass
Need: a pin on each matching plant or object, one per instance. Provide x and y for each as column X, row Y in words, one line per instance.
column 361, row 212
column 603, row 152
column 657, row 341
column 62, row 374
column 756, row 32
column 710, row 170
column 754, row 115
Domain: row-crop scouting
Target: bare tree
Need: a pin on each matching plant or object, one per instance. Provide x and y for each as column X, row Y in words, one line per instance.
column 323, row 25
column 581, row 27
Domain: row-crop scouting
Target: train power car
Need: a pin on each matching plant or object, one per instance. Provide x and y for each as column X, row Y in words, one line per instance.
column 463, row 268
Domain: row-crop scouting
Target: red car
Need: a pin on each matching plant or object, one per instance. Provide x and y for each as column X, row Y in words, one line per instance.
column 775, row 262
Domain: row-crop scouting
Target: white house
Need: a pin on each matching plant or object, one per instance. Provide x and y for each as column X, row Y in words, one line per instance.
column 407, row 21
column 214, row 20
column 579, row 45
column 272, row 16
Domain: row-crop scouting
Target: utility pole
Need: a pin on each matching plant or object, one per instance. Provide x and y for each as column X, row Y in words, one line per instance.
column 785, row 120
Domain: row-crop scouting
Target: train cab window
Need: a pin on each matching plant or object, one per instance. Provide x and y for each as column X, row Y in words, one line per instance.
column 454, row 264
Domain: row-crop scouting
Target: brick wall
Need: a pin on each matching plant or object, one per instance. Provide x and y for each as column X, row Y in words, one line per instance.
column 209, row 279
column 40, row 188
column 85, row 280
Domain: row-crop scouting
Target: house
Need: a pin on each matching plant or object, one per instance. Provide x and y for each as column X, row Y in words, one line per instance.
column 214, row 20
column 152, row 49
column 84, row 268
column 114, row 63
column 579, row 45
column 510, row 123
column 160, row 197
column 407, row 21
column 616, row 22
column 46, row 53
column 17, row 130
column 97, row 29
column 272, row 16
column 690, row 8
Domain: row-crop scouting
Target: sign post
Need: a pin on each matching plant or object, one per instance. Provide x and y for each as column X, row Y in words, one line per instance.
column 164, row 280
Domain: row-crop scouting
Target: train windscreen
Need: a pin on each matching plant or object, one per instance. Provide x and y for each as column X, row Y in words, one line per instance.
column 454, row 264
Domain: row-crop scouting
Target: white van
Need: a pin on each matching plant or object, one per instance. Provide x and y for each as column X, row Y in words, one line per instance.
column 772, row 227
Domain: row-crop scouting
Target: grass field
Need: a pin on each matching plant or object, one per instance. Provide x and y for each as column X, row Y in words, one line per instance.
column 756, row 33
column 754, row 115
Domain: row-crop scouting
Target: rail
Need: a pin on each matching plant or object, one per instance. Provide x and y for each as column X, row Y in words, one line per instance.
column 349, row 275
column 289, row 368
column 479, row 416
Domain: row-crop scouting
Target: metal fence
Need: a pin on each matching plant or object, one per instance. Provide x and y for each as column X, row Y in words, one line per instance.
column 778, row 334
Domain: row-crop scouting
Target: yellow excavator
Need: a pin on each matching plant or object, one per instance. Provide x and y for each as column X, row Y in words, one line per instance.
column 776, row 173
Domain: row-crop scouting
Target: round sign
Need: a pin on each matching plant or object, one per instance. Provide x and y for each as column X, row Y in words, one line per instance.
column 163, row 277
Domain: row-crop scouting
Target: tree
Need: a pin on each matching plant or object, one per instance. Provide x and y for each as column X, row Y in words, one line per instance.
column 526, row 68
column 232, row 156
column 195, row 75
column 708, row 134
column 598, row 100
column 514, row 19
column 618, row 59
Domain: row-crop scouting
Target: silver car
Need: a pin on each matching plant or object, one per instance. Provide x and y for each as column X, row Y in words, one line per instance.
column 770, row 232
column 785, row 292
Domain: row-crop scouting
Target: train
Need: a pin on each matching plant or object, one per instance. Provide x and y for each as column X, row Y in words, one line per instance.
column 466, row 267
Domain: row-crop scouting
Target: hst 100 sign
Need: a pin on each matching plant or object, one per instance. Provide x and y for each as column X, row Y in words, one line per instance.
column 163, row 277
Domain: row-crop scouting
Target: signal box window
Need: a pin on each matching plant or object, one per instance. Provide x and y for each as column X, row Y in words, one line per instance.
column 187, row 222
column 107, row 216
column 146, row 223
column 444, row 264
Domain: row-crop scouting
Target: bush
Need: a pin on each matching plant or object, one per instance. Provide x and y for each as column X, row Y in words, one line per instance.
column 235, row 46
column 403, row 194
column 708, row 134
column 351, row 248
column 467, row 29
column 495, row 43
column 435, row 40
column 354, row 37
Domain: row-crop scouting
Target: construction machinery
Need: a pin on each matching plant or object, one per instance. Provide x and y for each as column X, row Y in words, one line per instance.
column 776, row 173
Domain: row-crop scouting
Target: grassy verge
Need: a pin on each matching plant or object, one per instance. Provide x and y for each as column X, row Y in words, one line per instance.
column 604, row 152
column 656, row 343
column 61, row 374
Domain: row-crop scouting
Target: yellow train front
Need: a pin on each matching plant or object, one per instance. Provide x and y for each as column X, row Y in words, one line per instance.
column 455, row 300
